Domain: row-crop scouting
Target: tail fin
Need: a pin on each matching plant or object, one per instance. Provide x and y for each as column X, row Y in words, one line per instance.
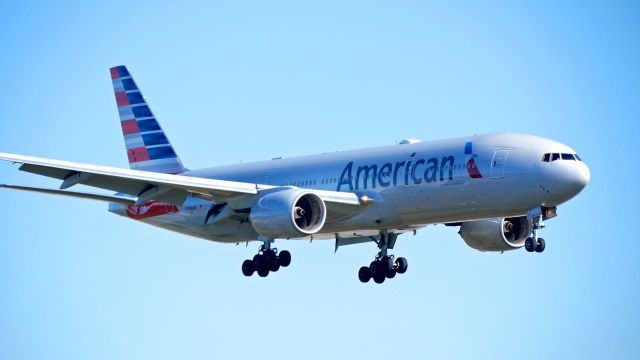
column 147, row 146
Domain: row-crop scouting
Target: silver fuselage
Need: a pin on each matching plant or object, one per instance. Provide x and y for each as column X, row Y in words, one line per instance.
column 404, row 186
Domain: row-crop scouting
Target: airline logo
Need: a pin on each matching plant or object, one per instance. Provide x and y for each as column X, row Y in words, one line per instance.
column 472, row 168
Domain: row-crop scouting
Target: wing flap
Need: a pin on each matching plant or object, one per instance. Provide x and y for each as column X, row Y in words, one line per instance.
column 120, row 199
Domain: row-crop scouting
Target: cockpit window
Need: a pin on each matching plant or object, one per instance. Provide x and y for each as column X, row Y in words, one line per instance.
column 549, row 157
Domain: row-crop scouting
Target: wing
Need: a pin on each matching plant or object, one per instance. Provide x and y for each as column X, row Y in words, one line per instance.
column 146, row 186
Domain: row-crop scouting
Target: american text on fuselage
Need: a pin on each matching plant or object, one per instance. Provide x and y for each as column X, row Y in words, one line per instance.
column 414, row 171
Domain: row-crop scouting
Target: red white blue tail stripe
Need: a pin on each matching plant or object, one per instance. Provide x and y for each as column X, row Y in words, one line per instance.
column 148, row 148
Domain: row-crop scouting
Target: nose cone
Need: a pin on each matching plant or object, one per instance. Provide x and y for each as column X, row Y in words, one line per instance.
column 578, row 176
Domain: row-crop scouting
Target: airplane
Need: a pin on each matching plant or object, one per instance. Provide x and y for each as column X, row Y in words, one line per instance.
column 498, row 189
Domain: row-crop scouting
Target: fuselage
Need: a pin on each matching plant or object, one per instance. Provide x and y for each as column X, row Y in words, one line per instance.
column 402, row 186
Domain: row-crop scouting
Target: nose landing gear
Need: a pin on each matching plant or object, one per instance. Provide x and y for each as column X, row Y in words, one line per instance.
column 535, row 243
column 384, row 266
column 537, row 246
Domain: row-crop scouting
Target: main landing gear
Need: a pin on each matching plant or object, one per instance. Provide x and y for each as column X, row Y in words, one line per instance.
column 267, row 260
column 384, row 266
column 535, row 243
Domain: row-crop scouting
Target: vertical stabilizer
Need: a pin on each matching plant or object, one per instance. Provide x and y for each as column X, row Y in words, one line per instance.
column 148, row 148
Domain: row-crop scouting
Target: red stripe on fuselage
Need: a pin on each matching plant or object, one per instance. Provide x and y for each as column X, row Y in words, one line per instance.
column 150, row 209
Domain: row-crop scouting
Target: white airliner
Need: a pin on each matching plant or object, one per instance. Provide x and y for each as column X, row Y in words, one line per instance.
column 497, row 188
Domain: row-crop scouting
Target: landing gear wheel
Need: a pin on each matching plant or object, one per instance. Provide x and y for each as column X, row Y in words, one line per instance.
column 401, row 265
column 376, row 269
column 248, row 268
column 275, row 265
column 391, row 274
column 263, row 271
column 269, row 256
column 379, row 279
column 257, row 261
column 284, row 258
column 528, row 244
column 364, row 274
column 540, row 246
column 387, row 264
column 261, row 265
column 266, row 260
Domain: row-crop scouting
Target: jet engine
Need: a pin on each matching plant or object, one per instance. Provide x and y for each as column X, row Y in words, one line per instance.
column 496, row 234
column 288, row 213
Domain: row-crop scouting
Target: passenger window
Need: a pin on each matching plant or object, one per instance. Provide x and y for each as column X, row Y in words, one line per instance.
column 567, row 157
column 555, row 156
column 546, row 157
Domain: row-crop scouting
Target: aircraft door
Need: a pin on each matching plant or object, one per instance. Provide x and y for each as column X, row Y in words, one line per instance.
column 497, row 164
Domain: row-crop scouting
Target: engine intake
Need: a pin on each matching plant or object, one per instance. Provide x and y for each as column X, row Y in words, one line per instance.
column 288, row 213
column 496, row 234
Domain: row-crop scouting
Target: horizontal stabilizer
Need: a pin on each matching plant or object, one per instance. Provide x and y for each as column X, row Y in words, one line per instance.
column 120, row 199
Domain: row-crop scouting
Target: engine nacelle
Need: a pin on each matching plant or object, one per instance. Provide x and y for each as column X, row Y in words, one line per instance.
column 288, row 213
column 496, row 234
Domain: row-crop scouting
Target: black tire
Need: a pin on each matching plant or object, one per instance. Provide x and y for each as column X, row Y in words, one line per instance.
column 263, row 271
column 376, row 269
column 284, row 258
column 401, row 265
column 387, row 264
column 540, row 246
column 379, row 279
column 528, row 244
column 269, row 257
column 257, row 261
column 248, row 268
column 364, row 274
column 275, row 265
column 391, row 274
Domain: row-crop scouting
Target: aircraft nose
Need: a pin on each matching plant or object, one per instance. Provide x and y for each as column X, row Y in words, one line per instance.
column 579, row 176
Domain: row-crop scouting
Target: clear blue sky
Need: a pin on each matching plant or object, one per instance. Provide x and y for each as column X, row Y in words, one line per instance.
column 249, row 80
